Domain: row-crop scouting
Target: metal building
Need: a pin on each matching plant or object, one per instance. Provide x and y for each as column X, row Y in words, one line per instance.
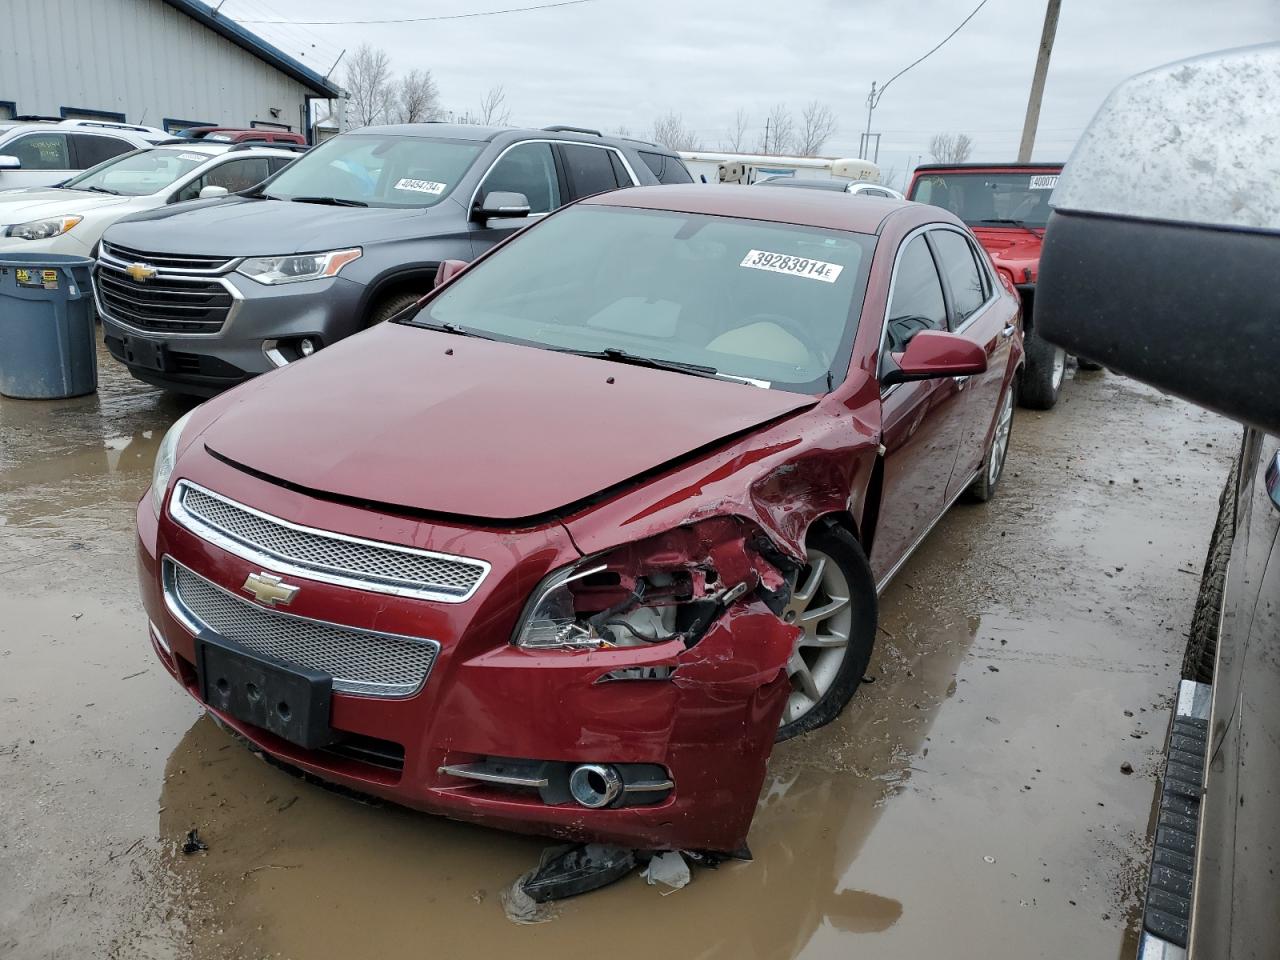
column 164, row 63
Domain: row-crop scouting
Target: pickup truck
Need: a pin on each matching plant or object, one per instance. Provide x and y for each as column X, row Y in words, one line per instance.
column 1006, row 205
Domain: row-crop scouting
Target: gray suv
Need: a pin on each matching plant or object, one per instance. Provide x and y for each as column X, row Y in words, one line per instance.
column 202, row 296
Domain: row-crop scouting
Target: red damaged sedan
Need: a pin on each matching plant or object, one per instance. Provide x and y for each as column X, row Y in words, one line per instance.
column 567, row 549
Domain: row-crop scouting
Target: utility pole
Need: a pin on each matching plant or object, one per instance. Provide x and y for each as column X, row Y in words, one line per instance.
column 866, row 137
column 1037, row 81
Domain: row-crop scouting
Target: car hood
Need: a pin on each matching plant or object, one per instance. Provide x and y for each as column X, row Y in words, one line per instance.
column 412, row 418
column 244, row 227
column 21, row 206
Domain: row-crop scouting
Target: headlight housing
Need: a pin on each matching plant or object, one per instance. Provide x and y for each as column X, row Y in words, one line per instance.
column 668, row 587
column 298, row 266
column 165, row 458
column 41, row 229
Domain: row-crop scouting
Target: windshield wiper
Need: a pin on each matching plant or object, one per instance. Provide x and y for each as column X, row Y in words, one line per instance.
column 1014, row 223
column 114, row 193
column 439, row 327
column 618, row 355
column 330, row 201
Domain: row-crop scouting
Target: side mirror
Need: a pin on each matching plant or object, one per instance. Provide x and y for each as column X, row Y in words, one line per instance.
column 213, row 191
column 933, row 355
column 1160, row 254
column 449, row 269
column 500, row 204
column 8, row 162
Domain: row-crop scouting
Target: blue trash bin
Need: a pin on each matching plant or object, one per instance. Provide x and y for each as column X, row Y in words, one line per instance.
column 47, row 342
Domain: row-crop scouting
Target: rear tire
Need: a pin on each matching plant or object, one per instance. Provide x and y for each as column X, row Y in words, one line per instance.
column 1202, row 644
column 388, row 308
column 1045, row 370
column 836, row 564
column 984, row 488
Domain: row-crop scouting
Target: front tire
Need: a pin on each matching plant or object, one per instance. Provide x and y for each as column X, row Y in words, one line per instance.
column 387, row 308
column 835, row 603
column 1045, row 370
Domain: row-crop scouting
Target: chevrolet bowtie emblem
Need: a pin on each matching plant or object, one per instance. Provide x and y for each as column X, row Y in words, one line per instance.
column 141, row 272
column 268, row 590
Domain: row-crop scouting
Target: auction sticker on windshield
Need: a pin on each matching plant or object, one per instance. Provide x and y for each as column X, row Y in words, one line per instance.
column 421, row 186
column 795, row 266
column 1046, row 182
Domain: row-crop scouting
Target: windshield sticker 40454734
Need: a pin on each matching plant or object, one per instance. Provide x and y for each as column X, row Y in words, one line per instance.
column 420, row 186
column 795, row 266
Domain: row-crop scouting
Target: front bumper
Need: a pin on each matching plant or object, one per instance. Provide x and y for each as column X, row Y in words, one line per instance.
column 710, row 727
column 206, row 363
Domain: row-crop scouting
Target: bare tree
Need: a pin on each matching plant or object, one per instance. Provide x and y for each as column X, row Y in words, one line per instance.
column 779, row 131
column 369, row 85
column 817, row 124
column 887, row 177
column 493, row 108
column 670, row 131
column 737, row 140
column 622, row 131
column 417, row 97
column 950, row 147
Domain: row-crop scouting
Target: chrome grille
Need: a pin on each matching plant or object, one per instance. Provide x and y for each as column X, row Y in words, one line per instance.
column 166, row 260
column 360, row 661
column 171, row 304
column 320, row 555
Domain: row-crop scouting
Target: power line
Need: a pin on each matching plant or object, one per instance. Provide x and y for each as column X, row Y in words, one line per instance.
column 973, row 14
column 450, row 16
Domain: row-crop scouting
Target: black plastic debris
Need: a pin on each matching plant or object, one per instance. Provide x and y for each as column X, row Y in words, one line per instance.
column 580, row 869
column 193, row 843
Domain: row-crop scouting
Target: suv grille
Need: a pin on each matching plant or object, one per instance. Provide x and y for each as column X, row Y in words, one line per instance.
column 165, row 261
column 179, row 305
column 364, row 662
column 348, row 561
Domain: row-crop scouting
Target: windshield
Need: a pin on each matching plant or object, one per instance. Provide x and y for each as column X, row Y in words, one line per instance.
column 139, row 174
column 377, row 171
column 772, row 303
column 990, row 199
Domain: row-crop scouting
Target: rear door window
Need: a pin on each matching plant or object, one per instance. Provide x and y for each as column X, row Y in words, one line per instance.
column 589, row 170
column 968, row 292
column 40, row 151
column 528, row 168
column 92, row 149
column 917, row 302
column 666, row 169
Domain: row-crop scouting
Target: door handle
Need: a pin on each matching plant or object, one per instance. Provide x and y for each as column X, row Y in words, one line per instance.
column 1007, row 332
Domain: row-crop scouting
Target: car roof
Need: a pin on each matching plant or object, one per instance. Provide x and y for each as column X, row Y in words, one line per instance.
column 944, row 167
column 86, row 126
column 836, row 186
column 849, row 211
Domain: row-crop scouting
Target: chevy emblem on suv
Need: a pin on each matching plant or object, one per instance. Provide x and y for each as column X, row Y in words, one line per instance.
column 269, row 590
column 141, row 272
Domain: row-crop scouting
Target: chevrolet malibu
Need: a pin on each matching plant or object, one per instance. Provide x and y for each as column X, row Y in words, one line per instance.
column 566, row 547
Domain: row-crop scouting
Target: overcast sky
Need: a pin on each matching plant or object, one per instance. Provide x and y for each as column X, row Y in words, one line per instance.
column 611, row 63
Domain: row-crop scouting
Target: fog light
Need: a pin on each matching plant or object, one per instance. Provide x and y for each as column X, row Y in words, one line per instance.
column 306, row 347
column 595, row 785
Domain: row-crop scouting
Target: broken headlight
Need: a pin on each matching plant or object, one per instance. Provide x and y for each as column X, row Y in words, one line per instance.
column 667, row 588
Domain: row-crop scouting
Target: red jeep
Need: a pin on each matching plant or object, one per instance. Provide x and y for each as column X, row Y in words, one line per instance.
column 1006, row 205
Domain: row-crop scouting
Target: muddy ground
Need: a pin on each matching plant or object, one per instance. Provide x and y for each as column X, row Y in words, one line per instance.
column 969, row 803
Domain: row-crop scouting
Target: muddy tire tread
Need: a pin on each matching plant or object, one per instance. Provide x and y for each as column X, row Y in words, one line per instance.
column 1202, row 643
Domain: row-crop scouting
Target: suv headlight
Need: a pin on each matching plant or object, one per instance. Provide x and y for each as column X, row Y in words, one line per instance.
column 297, row 266
column 165, row 457
column 668, row 587
column 41, row 229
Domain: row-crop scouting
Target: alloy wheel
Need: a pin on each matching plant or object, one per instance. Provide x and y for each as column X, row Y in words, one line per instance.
column 820, row 607
column 1059, row 367
column 1000, row 441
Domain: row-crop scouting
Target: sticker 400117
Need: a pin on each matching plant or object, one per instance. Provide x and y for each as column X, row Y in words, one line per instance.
column 795, row 266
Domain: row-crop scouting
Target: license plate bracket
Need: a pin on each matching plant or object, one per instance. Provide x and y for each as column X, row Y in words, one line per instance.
column 289, row 701
column 141, row 352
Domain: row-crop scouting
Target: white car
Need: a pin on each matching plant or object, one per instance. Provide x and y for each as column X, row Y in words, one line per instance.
column 35, row 154
column 70, row 218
